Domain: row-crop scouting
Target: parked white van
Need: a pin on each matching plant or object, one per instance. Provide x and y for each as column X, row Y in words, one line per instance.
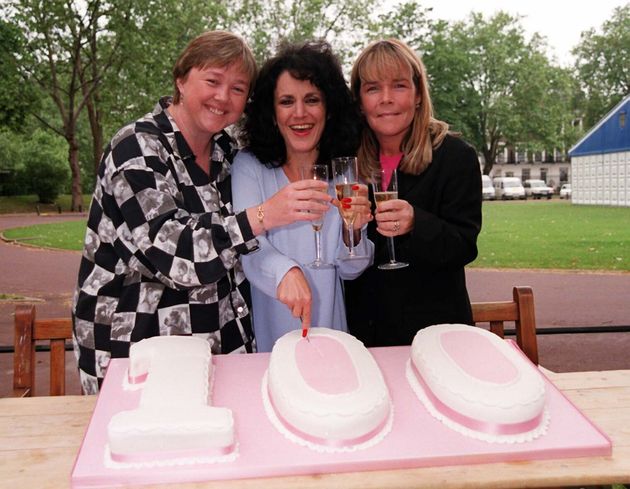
column 487, row 190
column 537, row 189
column 509, row 188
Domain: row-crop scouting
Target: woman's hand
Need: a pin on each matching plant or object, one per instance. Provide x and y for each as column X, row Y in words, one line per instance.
column 304, row 200
column 359, row 204
column 294, row 291
column 394, row 217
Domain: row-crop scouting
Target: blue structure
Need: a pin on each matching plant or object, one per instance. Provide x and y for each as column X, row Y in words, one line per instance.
column 609, row 135
column 600, row 161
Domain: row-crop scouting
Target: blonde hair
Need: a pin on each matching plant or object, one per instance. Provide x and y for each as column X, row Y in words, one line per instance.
column 380, row 60
column 214, row 48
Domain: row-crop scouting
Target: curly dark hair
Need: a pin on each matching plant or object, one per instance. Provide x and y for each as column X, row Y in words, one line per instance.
column 313, row 61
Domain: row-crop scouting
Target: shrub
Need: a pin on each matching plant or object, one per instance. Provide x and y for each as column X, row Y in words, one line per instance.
column 11, row 163
column 45, row 170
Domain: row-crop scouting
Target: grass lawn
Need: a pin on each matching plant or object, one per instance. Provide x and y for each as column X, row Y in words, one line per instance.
column 64, row 235
column 28, row 203
column 554, row 234
column 524, row 234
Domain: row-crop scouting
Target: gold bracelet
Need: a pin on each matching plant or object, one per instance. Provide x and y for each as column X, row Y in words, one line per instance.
column 260, row 215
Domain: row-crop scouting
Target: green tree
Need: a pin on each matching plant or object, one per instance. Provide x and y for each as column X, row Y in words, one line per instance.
column 603, row 64
column 99, row 61
column 408, row 21
column 43, row 169
column 10, row 162
column 265, row 23
column 493, row 85
column 16, row 97
column 58, row 35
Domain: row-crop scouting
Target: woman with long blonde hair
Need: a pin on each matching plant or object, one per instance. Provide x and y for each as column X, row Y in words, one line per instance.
column 436, row 218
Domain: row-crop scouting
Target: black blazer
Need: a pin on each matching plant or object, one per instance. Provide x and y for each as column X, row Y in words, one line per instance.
column 388, row 307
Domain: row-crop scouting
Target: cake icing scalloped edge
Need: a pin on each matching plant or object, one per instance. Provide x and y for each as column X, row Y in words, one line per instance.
column 275, row 421
column 527, row 436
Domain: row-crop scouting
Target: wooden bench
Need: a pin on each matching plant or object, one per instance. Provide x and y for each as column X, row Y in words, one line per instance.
column 520, row 310
column 29, row 330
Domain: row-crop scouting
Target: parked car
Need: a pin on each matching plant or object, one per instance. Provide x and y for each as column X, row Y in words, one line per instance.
column 509, row 188
column 565, row 191
column 487, row 189
column 537, row 189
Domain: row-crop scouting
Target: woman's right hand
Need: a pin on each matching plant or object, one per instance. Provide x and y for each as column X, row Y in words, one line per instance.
column 360, row 205
column 294, row 291
column 291, row 203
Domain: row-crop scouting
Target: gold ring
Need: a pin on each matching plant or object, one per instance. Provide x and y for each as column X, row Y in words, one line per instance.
column 396, row 226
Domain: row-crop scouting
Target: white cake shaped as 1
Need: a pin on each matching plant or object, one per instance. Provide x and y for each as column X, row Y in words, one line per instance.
column 478, row 384
column 173, row 423
column 326, row 392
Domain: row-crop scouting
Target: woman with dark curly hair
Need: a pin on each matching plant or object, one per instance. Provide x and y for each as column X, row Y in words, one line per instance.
column 301, row 114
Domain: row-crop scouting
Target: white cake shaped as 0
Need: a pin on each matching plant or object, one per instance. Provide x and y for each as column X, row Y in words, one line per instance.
column 326, row 392
column 478, row 384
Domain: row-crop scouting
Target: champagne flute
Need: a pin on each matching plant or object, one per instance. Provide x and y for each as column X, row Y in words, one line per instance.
column 385, row 187
column 346, row 176
column 316, row 172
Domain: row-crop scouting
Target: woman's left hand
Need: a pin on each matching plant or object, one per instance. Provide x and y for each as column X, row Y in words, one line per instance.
column 394, row 217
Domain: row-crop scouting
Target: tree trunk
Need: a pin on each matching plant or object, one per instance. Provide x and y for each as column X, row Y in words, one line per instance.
column 97, row 130
column 73, row 157
column 92, row 104
column 488, row 160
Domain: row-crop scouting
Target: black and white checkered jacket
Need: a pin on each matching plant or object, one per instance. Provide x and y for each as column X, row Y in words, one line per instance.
column 162, row 246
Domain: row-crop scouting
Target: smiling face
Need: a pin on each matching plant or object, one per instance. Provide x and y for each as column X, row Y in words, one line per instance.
column 300, row 113
column 212, row 98
column 389, row 105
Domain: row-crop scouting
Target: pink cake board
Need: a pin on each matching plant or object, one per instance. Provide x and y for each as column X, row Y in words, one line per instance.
column 416, row 440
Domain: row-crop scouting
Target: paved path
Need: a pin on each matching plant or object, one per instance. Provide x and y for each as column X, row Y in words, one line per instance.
column 562, row 299
column 48, row 277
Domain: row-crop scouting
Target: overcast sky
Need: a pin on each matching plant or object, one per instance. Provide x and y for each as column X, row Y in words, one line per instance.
column 560, row 22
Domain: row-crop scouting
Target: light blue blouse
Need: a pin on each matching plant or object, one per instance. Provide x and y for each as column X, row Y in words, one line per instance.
column 289, row 246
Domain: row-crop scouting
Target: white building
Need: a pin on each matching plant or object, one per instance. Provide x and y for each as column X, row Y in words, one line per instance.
column 551, row 167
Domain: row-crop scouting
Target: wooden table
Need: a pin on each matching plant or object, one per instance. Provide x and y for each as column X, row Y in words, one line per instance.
column 40, row 438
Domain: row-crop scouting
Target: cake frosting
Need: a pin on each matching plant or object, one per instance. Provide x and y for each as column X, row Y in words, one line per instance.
column 326, row 391
column 173, row 422
column 477, row 384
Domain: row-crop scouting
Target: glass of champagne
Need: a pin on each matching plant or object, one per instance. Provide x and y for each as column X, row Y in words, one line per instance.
column 385, row 187
column 346, row 176
column 316, row 172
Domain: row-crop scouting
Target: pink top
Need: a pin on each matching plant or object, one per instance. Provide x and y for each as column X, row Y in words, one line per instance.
column 389, row 164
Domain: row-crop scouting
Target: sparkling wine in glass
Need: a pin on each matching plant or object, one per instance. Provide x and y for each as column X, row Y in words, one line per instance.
column 316, row 172
column 385, row 187
column 346, row 176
